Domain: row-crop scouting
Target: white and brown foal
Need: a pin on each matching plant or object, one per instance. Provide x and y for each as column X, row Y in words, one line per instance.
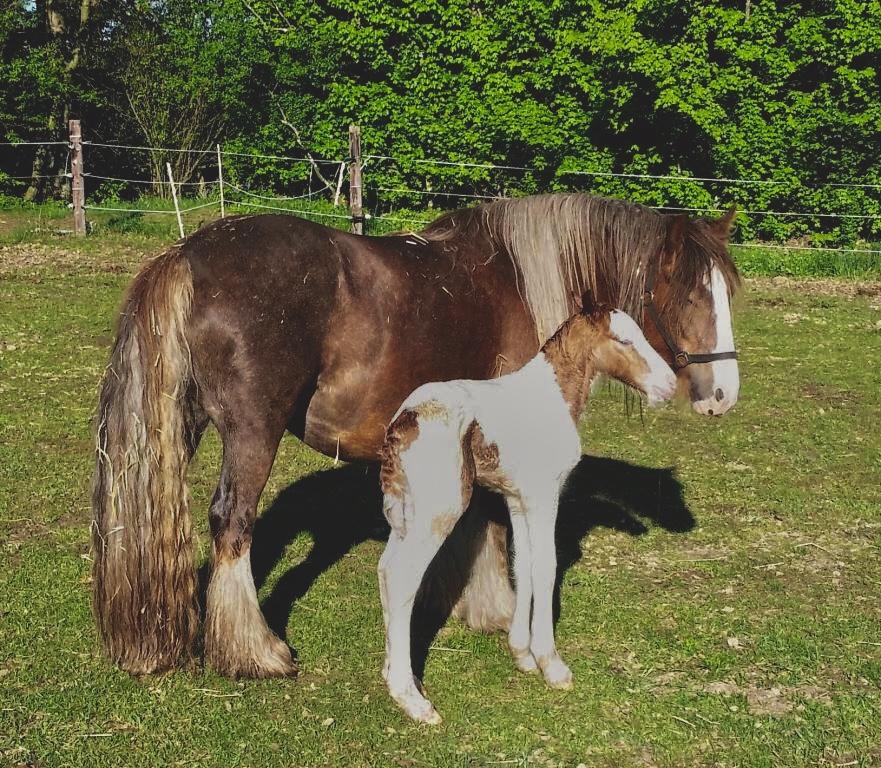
column 516, row 435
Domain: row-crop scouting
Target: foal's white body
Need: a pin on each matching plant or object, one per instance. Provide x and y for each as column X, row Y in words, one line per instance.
column 523, row 414
column 531, row 429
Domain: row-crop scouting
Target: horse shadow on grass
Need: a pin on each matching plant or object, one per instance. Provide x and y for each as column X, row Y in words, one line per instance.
column 341, row 508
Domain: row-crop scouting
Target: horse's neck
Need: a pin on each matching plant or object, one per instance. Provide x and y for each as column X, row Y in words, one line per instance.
column 568, row 353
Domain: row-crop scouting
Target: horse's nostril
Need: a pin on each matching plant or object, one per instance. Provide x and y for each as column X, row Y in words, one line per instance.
column 719, row 394
column 709, row 411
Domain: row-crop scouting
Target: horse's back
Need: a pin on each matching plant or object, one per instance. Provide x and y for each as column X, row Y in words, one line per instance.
column 266, row 256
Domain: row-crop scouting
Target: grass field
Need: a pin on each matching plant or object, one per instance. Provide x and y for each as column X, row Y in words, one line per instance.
column 720, row 586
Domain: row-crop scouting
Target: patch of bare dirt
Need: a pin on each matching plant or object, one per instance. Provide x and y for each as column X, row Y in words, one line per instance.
column 18, row 531
column 819, row 286
column 24, row 257
column 831, row 395
column 776, row 701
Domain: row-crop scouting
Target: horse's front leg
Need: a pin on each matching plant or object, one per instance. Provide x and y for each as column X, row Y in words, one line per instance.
column 238, row 641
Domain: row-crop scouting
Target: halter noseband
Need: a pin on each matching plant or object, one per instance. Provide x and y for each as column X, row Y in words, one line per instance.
column 681, row 358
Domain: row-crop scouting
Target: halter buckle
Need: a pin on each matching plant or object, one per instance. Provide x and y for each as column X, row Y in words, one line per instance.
column 682, row 359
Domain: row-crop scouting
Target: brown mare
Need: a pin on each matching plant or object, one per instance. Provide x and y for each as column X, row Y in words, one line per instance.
column 266, row 324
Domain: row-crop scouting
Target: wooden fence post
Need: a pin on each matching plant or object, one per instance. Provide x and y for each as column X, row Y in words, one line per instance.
column 355, row 180
column 77, row 190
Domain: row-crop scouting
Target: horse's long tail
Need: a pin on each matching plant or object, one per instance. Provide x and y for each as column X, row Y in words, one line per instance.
column 144, row 576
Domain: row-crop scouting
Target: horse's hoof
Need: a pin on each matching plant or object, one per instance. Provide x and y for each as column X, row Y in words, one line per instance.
column 526, row 664
column 488, row 614
column 425, row 714
column 278, row 663
column 431, row 718
column 273, row 659
column 480, row 620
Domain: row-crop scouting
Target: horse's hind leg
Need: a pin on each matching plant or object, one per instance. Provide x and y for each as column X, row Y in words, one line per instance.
column 238, row 642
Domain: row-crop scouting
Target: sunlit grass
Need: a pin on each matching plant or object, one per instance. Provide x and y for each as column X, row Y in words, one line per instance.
column 750, row 638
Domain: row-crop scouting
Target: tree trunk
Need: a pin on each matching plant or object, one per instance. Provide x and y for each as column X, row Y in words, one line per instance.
column 48, row 170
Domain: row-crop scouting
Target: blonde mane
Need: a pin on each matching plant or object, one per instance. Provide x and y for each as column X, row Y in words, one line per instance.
column 563, row 245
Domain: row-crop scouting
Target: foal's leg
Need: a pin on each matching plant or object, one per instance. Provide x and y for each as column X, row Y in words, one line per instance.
column 238, row 642
column 541, row 516
column 381, row 570
column 519, row 635
column 401, row 571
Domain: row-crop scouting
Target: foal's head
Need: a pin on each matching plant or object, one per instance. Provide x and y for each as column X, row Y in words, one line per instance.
column 621, row 351
column 602, row 340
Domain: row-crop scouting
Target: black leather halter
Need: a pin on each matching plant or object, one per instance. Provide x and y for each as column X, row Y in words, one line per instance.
column 681, row 358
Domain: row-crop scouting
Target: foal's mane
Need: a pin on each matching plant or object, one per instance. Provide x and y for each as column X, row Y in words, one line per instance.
column 563, row 245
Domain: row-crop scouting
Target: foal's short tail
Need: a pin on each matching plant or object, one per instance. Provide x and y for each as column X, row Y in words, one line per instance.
column 397, row 505
column 144, row 574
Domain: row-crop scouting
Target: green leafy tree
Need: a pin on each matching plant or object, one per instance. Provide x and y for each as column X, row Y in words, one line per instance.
column 784, row 92
column 578, row 94
column 47, row 46
column 188, row 72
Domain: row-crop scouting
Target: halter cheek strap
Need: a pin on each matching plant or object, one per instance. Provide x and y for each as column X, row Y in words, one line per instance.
column 681, row 358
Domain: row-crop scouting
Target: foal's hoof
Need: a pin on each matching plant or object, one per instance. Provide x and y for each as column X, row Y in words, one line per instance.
column 525, row 661
column 557, row 674
column 428, row 716
column 416, row 705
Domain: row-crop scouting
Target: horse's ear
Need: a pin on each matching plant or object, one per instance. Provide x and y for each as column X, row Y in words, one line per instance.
column 722, row 226
column 675, row 238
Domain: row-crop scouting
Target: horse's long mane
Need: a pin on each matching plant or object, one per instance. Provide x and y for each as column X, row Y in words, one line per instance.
column 563, row 245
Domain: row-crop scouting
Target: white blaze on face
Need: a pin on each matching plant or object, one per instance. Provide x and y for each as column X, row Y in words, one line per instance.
column 660, row 383
column 726, row 375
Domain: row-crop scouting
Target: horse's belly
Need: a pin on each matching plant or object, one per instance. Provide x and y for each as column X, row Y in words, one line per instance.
column 377, row 351
column 341, row 423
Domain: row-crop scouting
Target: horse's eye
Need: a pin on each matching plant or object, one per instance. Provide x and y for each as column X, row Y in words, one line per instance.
column 626, row 342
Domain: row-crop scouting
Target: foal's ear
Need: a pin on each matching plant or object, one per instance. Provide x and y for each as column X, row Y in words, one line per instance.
column 722, row 226
column 584, row 302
